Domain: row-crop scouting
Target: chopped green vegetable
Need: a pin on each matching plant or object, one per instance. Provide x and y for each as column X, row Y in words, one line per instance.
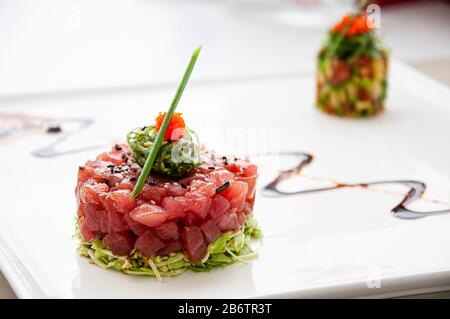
column 174, row 158
column 225, row 250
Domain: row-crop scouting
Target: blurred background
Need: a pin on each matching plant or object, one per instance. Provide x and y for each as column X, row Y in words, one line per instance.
column 51, row 45
column 55, row 46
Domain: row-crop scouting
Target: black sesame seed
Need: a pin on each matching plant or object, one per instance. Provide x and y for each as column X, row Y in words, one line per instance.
column 211, row 167
column 183, row 185
column 129, row 153
column 117, row 147
column 54, row 129
column 133, row 179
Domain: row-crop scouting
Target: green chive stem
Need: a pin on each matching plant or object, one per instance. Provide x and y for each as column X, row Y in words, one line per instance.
column 159, row 137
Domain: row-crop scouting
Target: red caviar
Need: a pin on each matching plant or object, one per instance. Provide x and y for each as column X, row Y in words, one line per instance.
column 175, row 130
column 353, row 25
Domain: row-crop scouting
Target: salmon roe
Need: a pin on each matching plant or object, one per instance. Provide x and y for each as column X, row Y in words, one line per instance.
column 173, row 132
column 353, row 25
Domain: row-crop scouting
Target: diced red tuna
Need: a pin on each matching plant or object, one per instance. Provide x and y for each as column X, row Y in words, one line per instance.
column 90, row 193
column 154, row 193
column 247, row 208
column 111, row 157
column 167, row 216
column 86, row 234
column 251, row 183
column 171, row 246
column 148, row 243
column 168, row 230
column 220, row 176
column 125, row 184
column 206, row 188
column 210, row 230
column 198, row 203
column 219, row 206
column 174, row 207
column 136, row 227
column 103, row 220
column 236, row 195
column 149, row 215
column 91, row 216
column 228, row 222
column 121, row 244
column 193, row 243
column 241, row 218
column 191, row 219
column 118, row 201
column 249, row 169
column 117, row 222
column 85, row 173
column 174, row 189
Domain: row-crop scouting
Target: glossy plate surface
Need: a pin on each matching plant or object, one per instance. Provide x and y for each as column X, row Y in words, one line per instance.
column 342, row 243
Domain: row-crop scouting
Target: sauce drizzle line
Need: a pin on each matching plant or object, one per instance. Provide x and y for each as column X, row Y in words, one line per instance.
column 416, row 188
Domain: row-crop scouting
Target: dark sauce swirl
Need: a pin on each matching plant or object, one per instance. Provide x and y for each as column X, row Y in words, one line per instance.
column 416, row 188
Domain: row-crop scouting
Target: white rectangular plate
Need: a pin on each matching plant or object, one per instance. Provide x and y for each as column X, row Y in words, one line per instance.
column 342, row 243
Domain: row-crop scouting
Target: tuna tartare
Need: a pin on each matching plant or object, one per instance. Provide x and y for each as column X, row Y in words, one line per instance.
column 161, row 204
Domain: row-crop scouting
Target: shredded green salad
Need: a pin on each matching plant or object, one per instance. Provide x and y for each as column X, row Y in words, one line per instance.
column 225, row 250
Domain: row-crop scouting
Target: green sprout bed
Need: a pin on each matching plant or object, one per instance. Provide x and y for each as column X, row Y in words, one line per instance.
column 226, row 250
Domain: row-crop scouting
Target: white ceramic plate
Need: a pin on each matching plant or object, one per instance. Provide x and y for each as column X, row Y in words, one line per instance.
column 342, row 243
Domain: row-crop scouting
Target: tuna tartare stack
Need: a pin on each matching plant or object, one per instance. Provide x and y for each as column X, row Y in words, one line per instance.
column 352, row 70
column 192, row 209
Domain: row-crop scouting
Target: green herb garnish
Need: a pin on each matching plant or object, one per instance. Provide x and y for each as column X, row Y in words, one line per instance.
column 159, row 138
column 223, row 187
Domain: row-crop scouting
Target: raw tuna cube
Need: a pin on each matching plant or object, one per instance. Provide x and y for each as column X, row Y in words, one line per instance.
column 103, row 220
column 174, row 207
column 193, row 243
column 117, row 222
column 251, row 183
column 175, row 189
column 236, row 194
column 111, row 157
column 119, row 201
column 86, row 234
column 210, row 230
column 136, row 227
column 168, row 230
column 171, row 246
column 228, row 222
column 148, row 243
column 91, row 216
column 121, row 244
column 153, row 193
column 206, row 188
column 220, row 176
column 219, row 206
column 191, row 219
column 90, row 193
column 198, row 203
column 149, row 215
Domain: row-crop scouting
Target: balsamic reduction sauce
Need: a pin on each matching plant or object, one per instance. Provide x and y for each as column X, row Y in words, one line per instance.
column 416, row 188
column 52, row 150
